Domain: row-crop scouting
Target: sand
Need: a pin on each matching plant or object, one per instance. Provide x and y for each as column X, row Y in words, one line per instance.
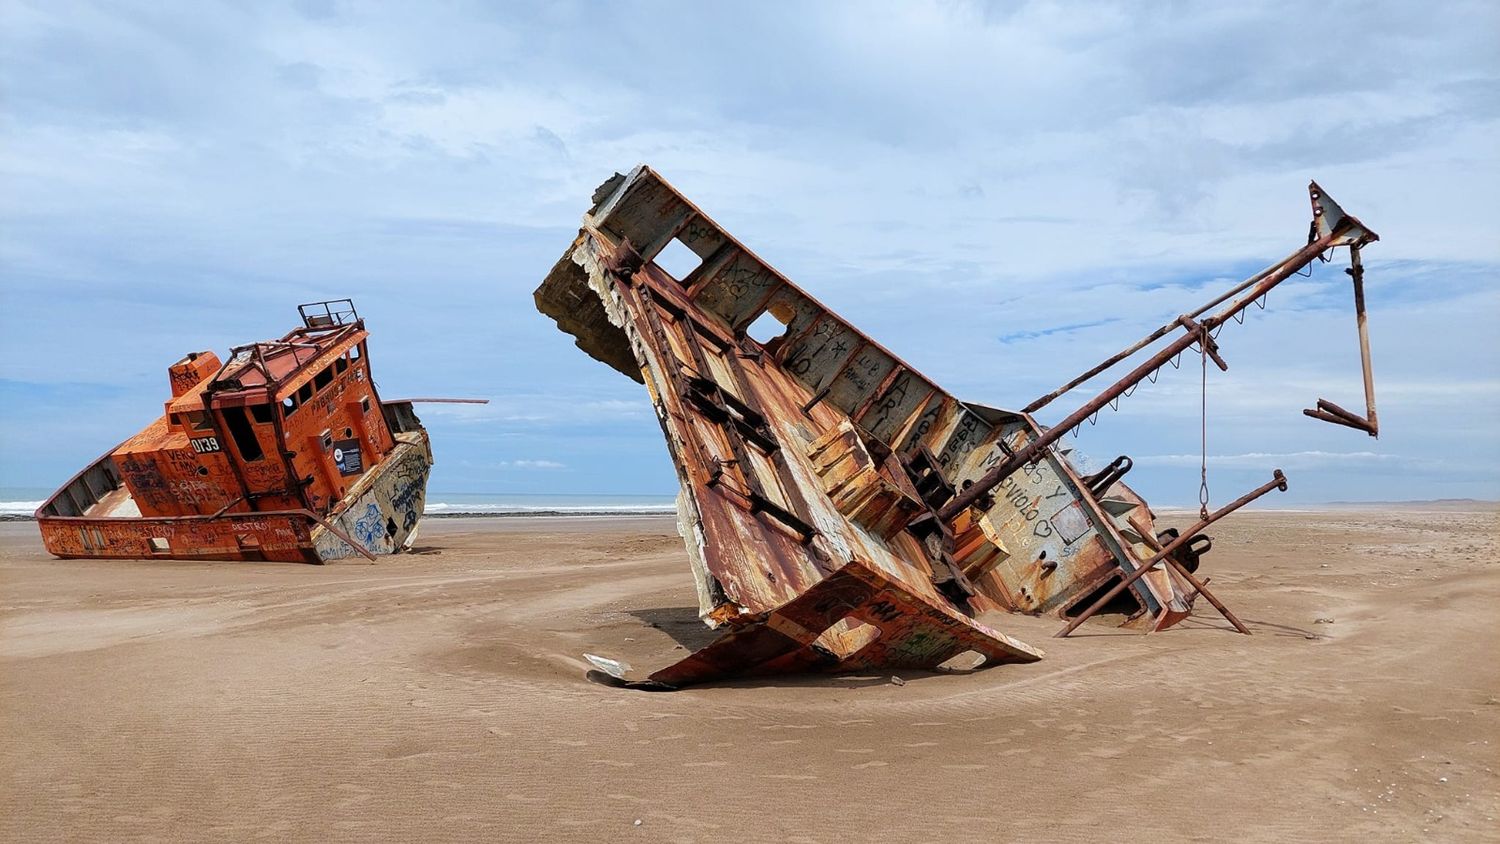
column 441, row 696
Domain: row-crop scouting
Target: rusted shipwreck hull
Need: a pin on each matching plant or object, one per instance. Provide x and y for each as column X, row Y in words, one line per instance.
column 285, row 453
column 810, row 460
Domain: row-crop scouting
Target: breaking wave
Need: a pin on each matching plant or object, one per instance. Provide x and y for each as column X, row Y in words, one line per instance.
column 625, row 505
column 441, row 508
column 18, row 508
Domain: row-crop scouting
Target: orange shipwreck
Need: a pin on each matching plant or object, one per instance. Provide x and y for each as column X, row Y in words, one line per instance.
column 284, row 452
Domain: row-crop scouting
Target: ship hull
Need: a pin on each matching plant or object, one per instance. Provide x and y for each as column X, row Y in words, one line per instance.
column 90, row 517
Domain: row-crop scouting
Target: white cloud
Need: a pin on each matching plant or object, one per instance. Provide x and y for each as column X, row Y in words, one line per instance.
column 945, row 175
column 1258, row 459
column 531, row 464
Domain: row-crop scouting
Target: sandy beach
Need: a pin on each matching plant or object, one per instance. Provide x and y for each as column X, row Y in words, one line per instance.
column 441, row 696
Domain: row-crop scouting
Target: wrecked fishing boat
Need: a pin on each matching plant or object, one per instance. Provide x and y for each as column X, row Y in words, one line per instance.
column 284, row 452
column 842, row 511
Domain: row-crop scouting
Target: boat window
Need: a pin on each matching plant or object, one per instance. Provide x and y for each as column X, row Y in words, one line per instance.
column 289, row 406
column 176, row 420
column 260, row 413
column 341, row 365
column 305, row 393
column 243, row 434
column 323, row 378
column 356, row 351
column 364, row 404
column 199, row 420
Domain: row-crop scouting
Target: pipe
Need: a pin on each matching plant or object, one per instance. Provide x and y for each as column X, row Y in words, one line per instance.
column 1145, row 341
column 1278, row 481
column 1357, row 272
column 1029, row 453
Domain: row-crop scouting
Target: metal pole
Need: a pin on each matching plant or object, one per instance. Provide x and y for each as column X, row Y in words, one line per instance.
column 1144, row 342
column 1357, row 272
column 1202, row 588
column 1031, row 450
column 333, row 529
column 1278, row 481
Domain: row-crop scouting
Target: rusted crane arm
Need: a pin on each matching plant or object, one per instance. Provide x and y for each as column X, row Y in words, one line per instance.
column 1331, row 228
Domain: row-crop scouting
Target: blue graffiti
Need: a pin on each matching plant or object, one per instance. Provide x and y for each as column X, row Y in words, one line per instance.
column 369, row 529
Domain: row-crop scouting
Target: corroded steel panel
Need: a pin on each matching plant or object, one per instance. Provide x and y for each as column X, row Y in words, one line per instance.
column 382, row 511
column 241, row 536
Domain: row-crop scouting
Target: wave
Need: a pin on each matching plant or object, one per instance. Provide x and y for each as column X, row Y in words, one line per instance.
column 440, row 508
column 10, row 510
column 18, row 508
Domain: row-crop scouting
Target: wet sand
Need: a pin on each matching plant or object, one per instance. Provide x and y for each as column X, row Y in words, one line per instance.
column 441, row 696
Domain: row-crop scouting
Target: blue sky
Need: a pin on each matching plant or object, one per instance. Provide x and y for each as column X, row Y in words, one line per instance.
column 1002, row 194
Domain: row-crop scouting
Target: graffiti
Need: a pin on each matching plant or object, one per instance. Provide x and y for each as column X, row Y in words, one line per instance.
column 695, row 232
column 884, row 610
column 369, row 529
column 893, row 399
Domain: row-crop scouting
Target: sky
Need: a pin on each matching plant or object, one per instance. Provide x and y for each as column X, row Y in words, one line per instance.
column 1002, row 194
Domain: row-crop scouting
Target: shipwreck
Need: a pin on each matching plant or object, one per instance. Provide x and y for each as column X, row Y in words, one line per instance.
column 843, row 512
column 284, row 452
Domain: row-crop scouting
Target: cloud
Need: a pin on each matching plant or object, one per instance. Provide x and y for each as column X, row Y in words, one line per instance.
column 1257, row 459
column 531, row 464
column 1002, row 194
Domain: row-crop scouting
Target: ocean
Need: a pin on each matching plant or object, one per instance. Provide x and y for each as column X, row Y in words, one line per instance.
column 23, row 501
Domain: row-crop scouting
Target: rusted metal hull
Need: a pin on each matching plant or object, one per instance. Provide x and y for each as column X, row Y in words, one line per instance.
column 794, row 454
column 379, row 516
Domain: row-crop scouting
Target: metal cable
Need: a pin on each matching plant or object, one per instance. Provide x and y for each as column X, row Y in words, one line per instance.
column 1203, row 426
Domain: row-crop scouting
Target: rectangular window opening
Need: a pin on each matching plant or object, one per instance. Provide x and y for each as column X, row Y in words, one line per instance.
column 159, row 545
column 677, row 259
column 766, row 327
column 243, row 434
column 341, row 365
column 261, row 413
column 323, row 378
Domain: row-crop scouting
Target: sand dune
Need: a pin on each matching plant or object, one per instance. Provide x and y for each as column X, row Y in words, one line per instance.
column 441, row 696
